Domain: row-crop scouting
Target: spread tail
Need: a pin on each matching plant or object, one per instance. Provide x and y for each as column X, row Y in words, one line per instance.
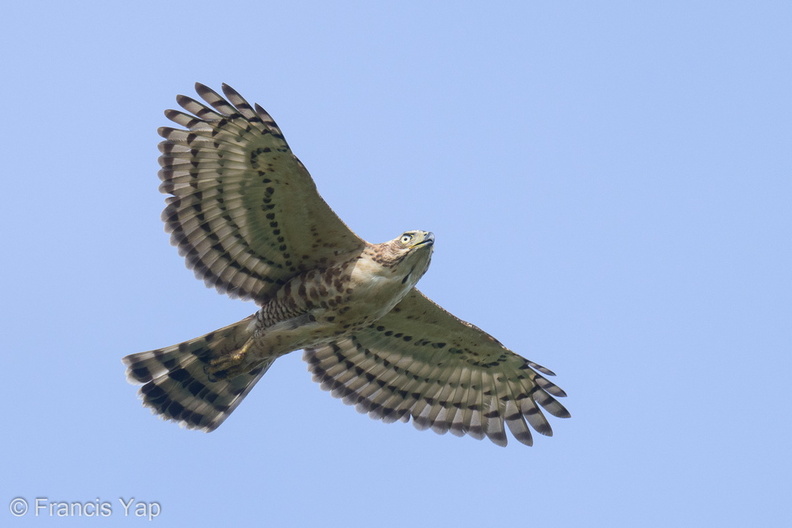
column 177, row 386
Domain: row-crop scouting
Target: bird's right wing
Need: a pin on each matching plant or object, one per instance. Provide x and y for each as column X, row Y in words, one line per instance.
column 244, row 211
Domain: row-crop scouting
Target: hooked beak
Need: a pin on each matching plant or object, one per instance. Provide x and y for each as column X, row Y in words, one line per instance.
column 428, row 239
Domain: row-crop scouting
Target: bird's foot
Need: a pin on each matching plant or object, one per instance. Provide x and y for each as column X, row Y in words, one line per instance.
column 229, row 365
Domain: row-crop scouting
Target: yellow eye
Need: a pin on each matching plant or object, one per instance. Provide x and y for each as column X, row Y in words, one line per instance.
column 405, row 239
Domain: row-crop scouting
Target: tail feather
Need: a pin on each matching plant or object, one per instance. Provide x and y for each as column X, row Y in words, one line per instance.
column 177, row 386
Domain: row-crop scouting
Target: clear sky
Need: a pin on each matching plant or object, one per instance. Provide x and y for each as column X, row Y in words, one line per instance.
column 609, row 184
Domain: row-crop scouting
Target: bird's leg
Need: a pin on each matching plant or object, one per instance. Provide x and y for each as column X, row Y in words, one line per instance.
column 230, row 364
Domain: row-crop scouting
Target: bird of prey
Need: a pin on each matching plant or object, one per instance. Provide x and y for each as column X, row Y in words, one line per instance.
column 247, row 217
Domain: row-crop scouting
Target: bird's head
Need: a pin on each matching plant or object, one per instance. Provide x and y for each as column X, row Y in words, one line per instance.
column 414, row 240
column 408, row 254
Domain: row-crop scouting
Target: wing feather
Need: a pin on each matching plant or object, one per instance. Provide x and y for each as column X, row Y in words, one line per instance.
column 243, row 210
column 419, row 362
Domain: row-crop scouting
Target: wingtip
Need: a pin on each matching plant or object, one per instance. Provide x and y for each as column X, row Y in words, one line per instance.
column 229, row 91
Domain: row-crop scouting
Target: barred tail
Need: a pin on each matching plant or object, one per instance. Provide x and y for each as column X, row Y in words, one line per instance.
column 177, row 386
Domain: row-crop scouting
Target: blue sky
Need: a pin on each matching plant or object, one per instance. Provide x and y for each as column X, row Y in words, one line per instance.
column 609, row 184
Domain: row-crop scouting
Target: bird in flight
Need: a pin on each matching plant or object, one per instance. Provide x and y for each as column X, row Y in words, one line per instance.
column 246, row 215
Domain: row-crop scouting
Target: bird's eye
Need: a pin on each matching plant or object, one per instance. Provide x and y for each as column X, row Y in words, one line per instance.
column 405, row 239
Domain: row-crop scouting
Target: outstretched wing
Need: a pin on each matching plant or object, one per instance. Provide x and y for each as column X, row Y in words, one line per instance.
column 421, row 362
column 244, row 211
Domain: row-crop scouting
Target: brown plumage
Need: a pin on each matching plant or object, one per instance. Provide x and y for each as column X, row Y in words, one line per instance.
column 246, row 215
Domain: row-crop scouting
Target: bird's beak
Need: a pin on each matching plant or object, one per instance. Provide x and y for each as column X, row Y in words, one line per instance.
column 428, row 239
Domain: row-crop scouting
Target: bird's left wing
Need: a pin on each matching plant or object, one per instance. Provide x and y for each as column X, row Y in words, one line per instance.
column 421, row 362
